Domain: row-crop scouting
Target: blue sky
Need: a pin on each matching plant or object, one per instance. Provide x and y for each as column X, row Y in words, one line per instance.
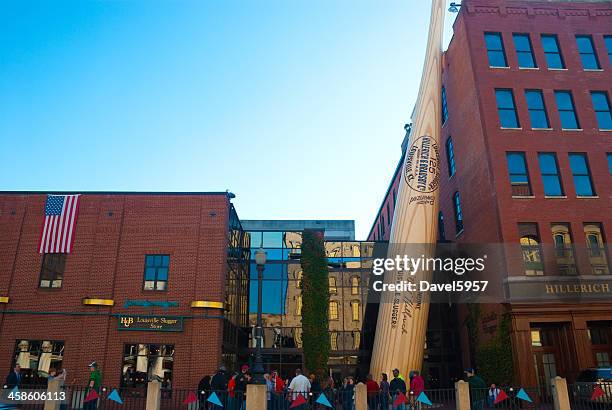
column 296, row 106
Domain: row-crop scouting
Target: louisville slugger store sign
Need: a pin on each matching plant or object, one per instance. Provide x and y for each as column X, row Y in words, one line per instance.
column 151, row 323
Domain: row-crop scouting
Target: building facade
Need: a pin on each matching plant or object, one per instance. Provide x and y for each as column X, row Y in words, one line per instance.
column 527, row 149
column 155, row 286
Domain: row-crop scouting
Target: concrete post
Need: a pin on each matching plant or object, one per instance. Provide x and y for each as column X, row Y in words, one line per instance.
column 256, row 397
column 462, row 395
column 560, row 393
column 54, row 388
column 153, row 395
column 361, row 397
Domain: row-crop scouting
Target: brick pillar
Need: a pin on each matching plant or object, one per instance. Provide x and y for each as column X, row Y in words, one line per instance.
column 153, row 395
column 361, row 397
column 256, row 397
column 462, row 395
column 560, row 394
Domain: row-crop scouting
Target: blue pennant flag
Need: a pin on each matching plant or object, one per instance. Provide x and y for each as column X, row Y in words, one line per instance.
column 424, row 399
column 323, row 401
column 114, row 396
column 522, row 394
column 214, row 399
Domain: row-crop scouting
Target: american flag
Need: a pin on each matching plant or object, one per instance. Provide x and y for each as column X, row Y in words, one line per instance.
column 60, row 220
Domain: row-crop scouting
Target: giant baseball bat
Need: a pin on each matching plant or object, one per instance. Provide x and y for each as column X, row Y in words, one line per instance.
column 402, row 316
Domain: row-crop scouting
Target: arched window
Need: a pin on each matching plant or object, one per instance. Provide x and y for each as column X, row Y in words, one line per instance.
column 450, row 157
column 356, row 339
column 458, row 213
column 355, row 310
column 333, row 288
column 333, row 340
column 333, row 310
column 530, row 248
column 355, row 285
column 441, row 232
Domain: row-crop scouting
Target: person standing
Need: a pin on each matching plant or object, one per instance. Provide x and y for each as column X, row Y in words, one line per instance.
column 218, row 384
column 384, row 392
column 493, row 393
column 417, row 386
column 95, row 381
column 373, row 390
column 13, row 379
column 478, row 389
column 397, row 386
column 204, row 392
column 299, row 385
column 241, row 383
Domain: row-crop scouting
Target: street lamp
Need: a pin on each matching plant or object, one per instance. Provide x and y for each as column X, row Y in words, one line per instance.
column 258, row 370
column 454, row 7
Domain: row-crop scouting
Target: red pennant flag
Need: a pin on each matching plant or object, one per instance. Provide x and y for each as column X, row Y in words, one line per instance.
column 500, row 397
column 400, row 399
column 597, row 392
column 299, row 400
column 191, row 398
column 92, row 395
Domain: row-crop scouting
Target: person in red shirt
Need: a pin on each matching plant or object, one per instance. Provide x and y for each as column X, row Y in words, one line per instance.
column 417, row 385
column 372, row 389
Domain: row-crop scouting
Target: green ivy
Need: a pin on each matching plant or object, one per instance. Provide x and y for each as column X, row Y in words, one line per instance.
column 315, row 302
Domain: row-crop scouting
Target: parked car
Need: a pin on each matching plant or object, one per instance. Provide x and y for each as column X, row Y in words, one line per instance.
column 589, row 378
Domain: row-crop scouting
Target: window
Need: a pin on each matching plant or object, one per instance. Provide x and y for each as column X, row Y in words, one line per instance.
column 587, row 53
column 144, row 362
column 524, row 51
column 389, row 212
column 550, row 174
column 52, row 270
column 356, row 339
column 458, row 213
column 444, row 106
column 450, row 157
column 550, row 44
column 567, row 113
column 36, row 358
column 537, row 109
column 441, row 232
column 601, row 105
column 609, row 155
column 156, row 272
column 354, row 285
column 495, row 50
column 333, row 310
column 506, row 109
column 333, row 340
column 519, row 176
column 333, row 288
column 608, row 41
column 582, row 177
column 355, row 310
column 564, row 249
column 298, row 305
column 530, row 249
column 593, row 233
column 598, row 334
column 603, row 359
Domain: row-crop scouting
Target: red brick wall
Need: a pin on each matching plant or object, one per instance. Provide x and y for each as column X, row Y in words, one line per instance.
column 113, row 234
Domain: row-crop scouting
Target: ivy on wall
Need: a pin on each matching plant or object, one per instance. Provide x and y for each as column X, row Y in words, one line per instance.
column 315, row 302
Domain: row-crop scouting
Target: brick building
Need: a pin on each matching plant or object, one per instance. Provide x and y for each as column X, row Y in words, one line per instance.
column 527, row 148
column 168, row 264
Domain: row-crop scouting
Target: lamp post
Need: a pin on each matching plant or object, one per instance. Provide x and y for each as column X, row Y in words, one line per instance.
column 258, row 369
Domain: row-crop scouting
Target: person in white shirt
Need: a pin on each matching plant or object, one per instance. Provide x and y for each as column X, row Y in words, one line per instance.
column 299, row 385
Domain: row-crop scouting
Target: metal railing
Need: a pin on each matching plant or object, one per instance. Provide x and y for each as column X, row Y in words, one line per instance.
column 540, row 398
column 582, row 397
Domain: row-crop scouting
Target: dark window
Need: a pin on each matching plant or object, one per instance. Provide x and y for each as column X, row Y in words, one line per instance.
column 394, row 197
column 156, row 272
column 599, row 334
column 609, row 155
column 554, row 59
column 441, row 231
column 458, row 213
column 495, row 50
column 444, row 106
column 601, row 105
column 550, row 174
column 524, row 51
column 537, row 109
column 519, row 176
column 52, row 270
column 450, row 157
column 567, row 113
column 531, row 249
column 608, row 41
column 389, row 212
column 582, row 177
column 587, row 52
column 36, row 359
column 506, row 109
column 143, row 362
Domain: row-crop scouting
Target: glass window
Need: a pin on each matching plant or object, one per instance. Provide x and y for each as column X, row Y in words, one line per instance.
column 441, row 231
column 567, row 112
column 495, row 50
column 603, row 359
column 444, row 106
column 272, row 239
column 593, row 233
column 52, row 270
column 355, row 310
column 608, row 41
column 37, row 358
column 458, row 213
column 550, row 174
column 506, row 109
column 530, row 248
column 355, row 285
column 524, row 51
column 298, row 305
column 601, row 105
column 552, row 52
column 586, row 49
column 156, row 272
column 333, row 340
column 145, row 362
column 609, row 155
column 333, row 310
column 564, row 249
column 255, row 239
column 599, row 334
column 450, row 157
column 537, row 109
column 519, row 176
column 333, row 287
column 582, row 177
